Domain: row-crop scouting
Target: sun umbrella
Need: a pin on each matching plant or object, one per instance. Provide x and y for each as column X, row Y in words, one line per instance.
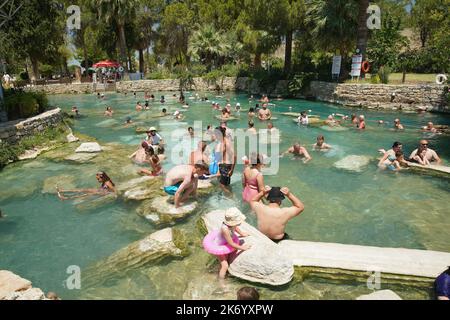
column 106, row 64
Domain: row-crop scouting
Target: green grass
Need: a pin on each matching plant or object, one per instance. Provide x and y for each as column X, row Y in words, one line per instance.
column 396, row 78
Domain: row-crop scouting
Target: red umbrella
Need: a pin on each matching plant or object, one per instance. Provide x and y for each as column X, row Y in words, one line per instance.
column 107, row 64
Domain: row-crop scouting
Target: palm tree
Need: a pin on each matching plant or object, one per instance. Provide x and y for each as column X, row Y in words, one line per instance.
column 363, row 32
column 118, row 12
column 208, row 46
column 334, row 26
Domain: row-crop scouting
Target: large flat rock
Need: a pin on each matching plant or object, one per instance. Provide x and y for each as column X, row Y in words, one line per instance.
column 89, row 147
column 262, row 263
column 10, row 282
column 432, row 168
column 151, row 249
column 398, row 261
column 380, row 295
column 161, row 210
column 353, row 163
column 141, row 188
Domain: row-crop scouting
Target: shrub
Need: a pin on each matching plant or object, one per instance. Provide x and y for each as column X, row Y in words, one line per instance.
column 300, row 82
column 19, row 104
column 384, row 73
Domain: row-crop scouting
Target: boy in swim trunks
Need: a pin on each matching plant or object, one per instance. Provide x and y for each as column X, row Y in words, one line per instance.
column 182, row 181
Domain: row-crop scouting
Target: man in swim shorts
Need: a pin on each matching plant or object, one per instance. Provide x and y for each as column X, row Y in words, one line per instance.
column 226, row 156
column 182, row 181
column 272, row 219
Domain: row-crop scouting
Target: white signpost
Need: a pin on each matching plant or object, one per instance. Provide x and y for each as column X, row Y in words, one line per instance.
column 336, row 68
column 356, row 65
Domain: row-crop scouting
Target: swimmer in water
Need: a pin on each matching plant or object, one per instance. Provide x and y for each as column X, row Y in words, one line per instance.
column 299, row 152
column 107, row 186
column 320, row 145
column 154, row 162
column 109, row 112
column 398, row 125
column 251, row 128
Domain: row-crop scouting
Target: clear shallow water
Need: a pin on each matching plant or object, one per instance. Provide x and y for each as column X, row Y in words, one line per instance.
column 42, row 236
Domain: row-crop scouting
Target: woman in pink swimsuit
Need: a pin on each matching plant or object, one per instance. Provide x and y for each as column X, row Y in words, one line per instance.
column 252, row 179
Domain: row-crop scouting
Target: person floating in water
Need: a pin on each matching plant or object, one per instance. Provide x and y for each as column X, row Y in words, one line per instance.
column 128, row 121
column 75, row 111
column 298, row 151
column 251, row 128
column 109, row 112
column 139, row 106
column 272, row 219
column 320, row 145
column 107, row 186
column 251, row 114
column 390, row 156
column 303, row 119
column 182, row 181
column 362, row 123
column 398, row 125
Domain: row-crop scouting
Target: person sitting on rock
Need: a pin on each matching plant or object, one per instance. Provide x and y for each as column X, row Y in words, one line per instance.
column 154, row 162
column 424, row 155
column 182, row 181
column 107, row 186
column 272, row 219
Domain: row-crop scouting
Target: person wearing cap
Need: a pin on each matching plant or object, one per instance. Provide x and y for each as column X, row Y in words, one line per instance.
column 264, row 114
column 233, row 219
column 153, row 137
column 182, row 181
column 238, row 107
column 272, row 219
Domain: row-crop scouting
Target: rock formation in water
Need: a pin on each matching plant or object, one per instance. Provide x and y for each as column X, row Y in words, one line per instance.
column 13, row 287
column 159, row 245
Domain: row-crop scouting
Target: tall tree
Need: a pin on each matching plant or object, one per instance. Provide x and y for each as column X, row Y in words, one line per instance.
column 295, row 12
column 36, row 33
column 428, row 17
column 363, row 32
column 118, row 12
column 334, row 26
column 176, row 27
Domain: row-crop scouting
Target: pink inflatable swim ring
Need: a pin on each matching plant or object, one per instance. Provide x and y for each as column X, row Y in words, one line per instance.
column 214, row 243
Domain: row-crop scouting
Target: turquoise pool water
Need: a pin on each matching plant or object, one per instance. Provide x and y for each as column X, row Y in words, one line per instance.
column 41, row 236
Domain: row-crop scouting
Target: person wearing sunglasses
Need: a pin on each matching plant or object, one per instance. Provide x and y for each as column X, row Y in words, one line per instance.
column 424, row 155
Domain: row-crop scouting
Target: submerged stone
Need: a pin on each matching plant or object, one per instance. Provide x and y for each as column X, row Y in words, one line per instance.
column 159, row 245
column 207, row 287
column 94, row 202
column 89, row 147
column 380, row 295
column 161, row 210
column 142, row 188
column 353, row 163
column 81, row 157
column 63, row 181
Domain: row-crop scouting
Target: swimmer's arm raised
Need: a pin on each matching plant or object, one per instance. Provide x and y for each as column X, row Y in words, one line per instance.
column 298, row 206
